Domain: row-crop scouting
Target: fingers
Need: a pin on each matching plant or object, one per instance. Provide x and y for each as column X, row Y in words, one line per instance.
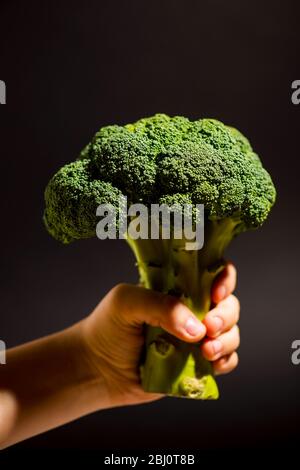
column 223, row 317
column 226, row 364
column 225, row 344
column 138, row 305
column 223, row 336
column 224, row 284
column 135, row 305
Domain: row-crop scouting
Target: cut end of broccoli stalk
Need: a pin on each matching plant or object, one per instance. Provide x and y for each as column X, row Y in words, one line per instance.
column 176, row 368
column 171, row 366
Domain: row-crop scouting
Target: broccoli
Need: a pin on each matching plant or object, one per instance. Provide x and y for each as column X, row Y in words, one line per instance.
column 169, row 160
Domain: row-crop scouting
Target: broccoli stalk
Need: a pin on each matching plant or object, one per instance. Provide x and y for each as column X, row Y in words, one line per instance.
column 169, row 365
column 167, row 160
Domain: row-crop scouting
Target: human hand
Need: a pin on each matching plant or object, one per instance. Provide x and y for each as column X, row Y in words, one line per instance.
column 113, row 333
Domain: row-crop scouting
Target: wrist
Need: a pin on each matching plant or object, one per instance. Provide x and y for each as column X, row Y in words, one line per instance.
column 90, row 381
column 102, row 371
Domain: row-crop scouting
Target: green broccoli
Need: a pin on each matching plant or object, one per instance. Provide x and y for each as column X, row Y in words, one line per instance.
column 169, row 160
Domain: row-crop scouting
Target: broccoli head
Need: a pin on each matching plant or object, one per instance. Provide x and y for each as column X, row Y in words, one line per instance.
column 167, row 160
column 160, row 156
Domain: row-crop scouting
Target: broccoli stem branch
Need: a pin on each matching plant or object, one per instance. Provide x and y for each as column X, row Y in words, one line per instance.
column 168, row 365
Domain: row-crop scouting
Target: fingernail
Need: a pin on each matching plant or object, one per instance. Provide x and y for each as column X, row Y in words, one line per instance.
column 193, row 326
column 218, row 322
column 222, row 292
column 217, row 346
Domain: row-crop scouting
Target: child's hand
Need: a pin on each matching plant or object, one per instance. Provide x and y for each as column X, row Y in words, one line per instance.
column 93, row 364
column 114, row 333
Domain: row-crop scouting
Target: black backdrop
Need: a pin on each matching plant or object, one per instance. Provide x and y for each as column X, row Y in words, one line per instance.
column 71, row 67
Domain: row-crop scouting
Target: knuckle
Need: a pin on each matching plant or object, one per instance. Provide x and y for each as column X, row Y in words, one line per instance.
column 165, row 316
column 117, row 301
column 232, row 270
column 236, row 301
column 119, row 290
column 234, row 360
column 229, row 309
column 228, row 364
column 235, row 307
column 207, row 350
column 229, row 275
column 172, row 305
column 121, row 300
column 237, row 338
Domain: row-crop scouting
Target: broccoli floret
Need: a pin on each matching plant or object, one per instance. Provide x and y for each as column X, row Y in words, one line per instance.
column 71, row 200
column 173, row 161
column 157, row 156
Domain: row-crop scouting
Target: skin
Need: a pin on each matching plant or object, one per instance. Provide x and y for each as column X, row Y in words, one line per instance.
column 93, row 365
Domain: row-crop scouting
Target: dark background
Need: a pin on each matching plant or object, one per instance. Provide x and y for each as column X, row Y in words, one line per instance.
column 71, row 67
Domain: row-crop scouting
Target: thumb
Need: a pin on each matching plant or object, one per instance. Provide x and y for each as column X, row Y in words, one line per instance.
column 139, row 305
